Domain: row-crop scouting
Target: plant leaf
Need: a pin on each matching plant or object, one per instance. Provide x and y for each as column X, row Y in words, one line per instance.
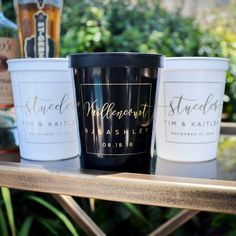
column 58, row 213
column 48, row 225
column 136, row 212
column 92, row 204
column 171, row 212
column 231, row 233
column 25, row 228
column 7, row 201
column 3, row 227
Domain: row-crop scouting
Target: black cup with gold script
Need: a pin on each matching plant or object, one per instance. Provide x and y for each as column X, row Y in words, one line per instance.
column 116, row 95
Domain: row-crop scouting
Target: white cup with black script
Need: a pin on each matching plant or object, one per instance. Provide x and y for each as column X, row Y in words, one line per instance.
column 45, row 108
column 190, row 107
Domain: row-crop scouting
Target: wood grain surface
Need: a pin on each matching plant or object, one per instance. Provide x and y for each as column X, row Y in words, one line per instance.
column 186, row 193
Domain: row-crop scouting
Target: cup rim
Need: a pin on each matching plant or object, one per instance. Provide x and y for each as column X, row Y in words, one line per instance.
column 115, row 59
column 197, row 58
column 41, row 64
column 196, row 63
column 38, row 59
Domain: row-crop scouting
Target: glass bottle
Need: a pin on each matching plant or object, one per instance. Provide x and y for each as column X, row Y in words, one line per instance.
column 39, row 27
column 8, row 50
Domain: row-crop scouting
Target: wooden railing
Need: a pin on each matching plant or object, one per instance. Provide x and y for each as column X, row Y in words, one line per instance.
column 187, row 193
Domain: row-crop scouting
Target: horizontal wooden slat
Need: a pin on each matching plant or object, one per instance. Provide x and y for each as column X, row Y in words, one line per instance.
column 228, row 128
column 196, row 194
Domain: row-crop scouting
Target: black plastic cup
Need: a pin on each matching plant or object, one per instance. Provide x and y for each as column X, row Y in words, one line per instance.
column 116, row 96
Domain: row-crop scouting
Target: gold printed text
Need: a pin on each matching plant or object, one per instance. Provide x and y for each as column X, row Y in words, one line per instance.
column 108, row 110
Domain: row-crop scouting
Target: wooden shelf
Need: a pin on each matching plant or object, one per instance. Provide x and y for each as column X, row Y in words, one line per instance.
column 188, row 193
column 214, row 195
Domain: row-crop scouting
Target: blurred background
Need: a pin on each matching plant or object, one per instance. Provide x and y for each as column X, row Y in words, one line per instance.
column 169, row 27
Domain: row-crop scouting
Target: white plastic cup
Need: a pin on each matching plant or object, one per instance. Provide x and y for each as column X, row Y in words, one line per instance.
column 45, row 107
column 189, row 108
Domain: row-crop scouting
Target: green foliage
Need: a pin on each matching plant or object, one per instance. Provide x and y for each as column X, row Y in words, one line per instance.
column 115, row 25
column 7, row 220
column 3, row 224
column 57, row 212
column 219, row 22
column 7, row 201
column 49, row 225
column 227, row 38
column 225, row 221
column 8, row 10
column 25, row 228
column 32, row 220
column 42, row 216
column 136, row 213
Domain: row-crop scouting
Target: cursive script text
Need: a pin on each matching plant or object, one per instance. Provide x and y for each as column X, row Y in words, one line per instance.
column 42, row 106
column 108, row 110
column 181, row 105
